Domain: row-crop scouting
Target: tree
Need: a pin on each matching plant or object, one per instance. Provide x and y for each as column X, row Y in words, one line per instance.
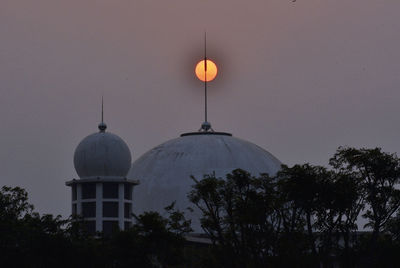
column 312, row 210
column 378, row 173
column 153, row 241
column 28, row 239
column 300, row 187
column 39, row 239
column 14, row 203
column 239, row 216
column 340, row 203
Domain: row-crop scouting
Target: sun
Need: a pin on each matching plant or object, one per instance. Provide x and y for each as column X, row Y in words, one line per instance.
column 204, row 75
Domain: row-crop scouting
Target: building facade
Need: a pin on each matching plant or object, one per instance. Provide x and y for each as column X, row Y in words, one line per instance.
column 103, row 194
column 165, row 171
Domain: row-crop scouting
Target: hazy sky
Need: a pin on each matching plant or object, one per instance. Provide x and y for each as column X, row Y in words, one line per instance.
column 297, row 78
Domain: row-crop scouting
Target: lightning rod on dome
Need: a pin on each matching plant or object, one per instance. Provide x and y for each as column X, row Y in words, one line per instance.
column 206, row 71
column 205, row 76
column 102, row 125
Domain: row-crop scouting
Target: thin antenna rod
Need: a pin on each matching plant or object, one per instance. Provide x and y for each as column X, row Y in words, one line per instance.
column 102, row 125
column 102, row 110
column 205, row 76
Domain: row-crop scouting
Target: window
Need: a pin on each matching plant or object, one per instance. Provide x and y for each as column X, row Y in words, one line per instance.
column 109, row 227
column 88, row 190
column 127, row 211
column 74, row 210
column 89, row 209
column 74, row 195
column 128, row 191
column 110, row 190
column 110, row 209
column 90, row 227
column 127, row 225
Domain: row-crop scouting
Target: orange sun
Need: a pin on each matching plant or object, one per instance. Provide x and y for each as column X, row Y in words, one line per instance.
column 211, row 72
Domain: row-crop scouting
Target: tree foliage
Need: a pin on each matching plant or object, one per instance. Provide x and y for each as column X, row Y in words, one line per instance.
column 305, row 215
column 28, row 239
column 379, row 173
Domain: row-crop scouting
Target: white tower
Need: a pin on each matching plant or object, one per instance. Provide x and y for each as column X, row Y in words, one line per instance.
column 103, row 195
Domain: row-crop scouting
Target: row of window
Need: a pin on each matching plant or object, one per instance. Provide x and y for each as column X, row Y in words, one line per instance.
column 108, row 226
column 110, row 190
column 110, row 209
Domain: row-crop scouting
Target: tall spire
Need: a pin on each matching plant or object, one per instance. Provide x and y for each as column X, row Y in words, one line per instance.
column 206, row 126
column 206, row 70
column 102, row 125
column 205, row 76
column 102, row 109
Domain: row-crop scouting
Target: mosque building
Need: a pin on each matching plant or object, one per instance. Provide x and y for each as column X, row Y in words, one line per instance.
column 103, row 194
column 165, row 171
column 110, row 188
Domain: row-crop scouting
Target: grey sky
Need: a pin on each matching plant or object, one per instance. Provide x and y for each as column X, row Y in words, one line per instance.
column 299, row 79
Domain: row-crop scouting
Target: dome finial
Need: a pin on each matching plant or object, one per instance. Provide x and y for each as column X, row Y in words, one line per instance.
column 102, row 125
column 205, row 76
column 206, row 71
column 206, row 126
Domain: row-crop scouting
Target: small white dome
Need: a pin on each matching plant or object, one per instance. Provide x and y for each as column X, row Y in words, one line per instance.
column 165, row 171
column 102, row 154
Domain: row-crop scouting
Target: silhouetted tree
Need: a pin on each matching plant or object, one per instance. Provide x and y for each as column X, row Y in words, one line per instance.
column 300, row 186
column 153, row 241
column 239, row 216
column 305, row 216
column 28, row 239
column 378, row 173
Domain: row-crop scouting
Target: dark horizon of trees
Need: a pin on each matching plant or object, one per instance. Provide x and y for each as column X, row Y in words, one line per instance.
column 28, row 239
column 304, row 216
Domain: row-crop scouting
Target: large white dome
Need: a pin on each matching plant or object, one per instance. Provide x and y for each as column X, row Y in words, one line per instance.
column 165, row 171
column 102, row 154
